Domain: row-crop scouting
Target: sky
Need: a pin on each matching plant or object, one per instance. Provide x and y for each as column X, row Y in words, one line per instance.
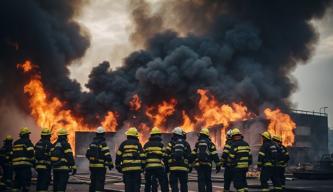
column 109, row 25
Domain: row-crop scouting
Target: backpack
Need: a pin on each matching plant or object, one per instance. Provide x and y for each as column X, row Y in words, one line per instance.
column 94, row 152
column 57, row 153
column 203, row 153
column 178, row 150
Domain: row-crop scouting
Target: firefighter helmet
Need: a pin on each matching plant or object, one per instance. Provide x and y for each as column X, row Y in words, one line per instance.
column 229, row 133
column 46, row 131
column 204, row 131
column 62, row 131
column 132, row 132
column 24, row 131
column 9, row 138
column 100, row 130
column 266, row 135
column 235, row 131
column 177, row 131
column 277, row 138
column 155, row 131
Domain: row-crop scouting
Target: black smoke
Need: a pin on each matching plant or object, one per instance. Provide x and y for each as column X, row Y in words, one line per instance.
column 242, row 51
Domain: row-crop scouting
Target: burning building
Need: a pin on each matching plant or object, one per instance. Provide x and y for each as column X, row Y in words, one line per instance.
column 202, row 63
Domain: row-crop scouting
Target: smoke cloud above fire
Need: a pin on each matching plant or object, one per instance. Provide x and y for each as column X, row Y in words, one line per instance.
column 239, row 51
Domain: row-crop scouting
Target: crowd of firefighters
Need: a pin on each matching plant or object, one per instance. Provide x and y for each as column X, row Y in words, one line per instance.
column 162, row 165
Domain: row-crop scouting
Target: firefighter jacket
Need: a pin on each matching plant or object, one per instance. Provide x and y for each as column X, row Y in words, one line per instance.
column 130, row 156
column 204, row 152
column 225, row 159
column 42, row 153
column 268, row 154
column 62, row 158
column 240, row 154
column 6, row 153
column 283, row 156
column 154, row 153
column 178, row 154
column 98, row 153
column 23, row 153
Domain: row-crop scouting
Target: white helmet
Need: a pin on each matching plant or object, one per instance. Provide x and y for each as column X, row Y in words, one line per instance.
column 229, row 133
column 178, row 131
column 100, row 130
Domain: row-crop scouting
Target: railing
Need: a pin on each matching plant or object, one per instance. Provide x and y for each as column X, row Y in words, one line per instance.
column 309, row 112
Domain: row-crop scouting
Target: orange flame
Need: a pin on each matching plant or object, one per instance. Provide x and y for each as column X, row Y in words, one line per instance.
column 159, row 114
column 50, row 112
column 281, row 124
column 26, row 66
column 187, row 125
column 135, row 103
column 110, row 122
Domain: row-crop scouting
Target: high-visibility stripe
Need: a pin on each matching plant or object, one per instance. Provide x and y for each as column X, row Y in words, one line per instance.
column 96, row 165
column 243, row 147
column 265, row 189
column 131, row 161
column 178, row 168
column 150, row 165
column 119, row 152
column 135, row 168
column 18, row 149
column 154, row 149
column 153, row 160
column 68, row 151
column 130, row 147
column 243, row 151
column 21, row 159
column 61, row 168
column 213, row 152
column 22, row 163
column 261, row 153
column 41, row 167
column 105, row 148
column 108, row 153
column 268, row 164
column 244, row 158
column 30, row 149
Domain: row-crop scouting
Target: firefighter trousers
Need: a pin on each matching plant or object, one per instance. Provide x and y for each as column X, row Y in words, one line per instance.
column 282, row 177
column 239, row 178
column 43, row 179
column 60, row 180
column 97, row 179
column 204, row 178
column 227, row 177
column 181, row 177
column 132, row 180
column 269, row 173
column 22, row 178
column 154, row 175
column 7, row 177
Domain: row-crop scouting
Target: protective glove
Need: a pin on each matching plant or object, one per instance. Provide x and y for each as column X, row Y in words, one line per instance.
column 218, row 168
column 110, row 167
column 74, row 170
column 119, row 169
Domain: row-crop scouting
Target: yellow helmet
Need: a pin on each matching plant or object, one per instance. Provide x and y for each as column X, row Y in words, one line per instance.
column 266, row 135
column 62, row 131
column 235, row 131
column 204, row 131
column 24, row 131
column 9, row 138
column 155, row 131
column 277, row 138
column 132, row 132
column 46, row 131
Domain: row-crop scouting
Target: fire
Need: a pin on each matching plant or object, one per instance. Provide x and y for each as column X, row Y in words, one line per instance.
column 50, row 112
column 159, row 114
column 110, row 122
column 187, row 125
column 135, row 103
column 281, row 124
column 26, row 66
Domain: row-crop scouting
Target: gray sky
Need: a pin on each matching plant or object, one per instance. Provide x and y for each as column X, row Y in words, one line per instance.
column 109, row 25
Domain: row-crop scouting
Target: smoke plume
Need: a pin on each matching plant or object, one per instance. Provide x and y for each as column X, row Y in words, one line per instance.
column 241, row 51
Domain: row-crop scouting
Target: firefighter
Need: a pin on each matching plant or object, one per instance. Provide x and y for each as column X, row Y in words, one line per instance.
column 129, row 160
column 178, row 153
column 62, row 161
column 283, row 160
column 204, row 154
column 99, row 157
column 226, row 162
column 241, row 158
column 155, row 161
column 43, row 160
column 23, row 160
column 267, row 160
column 6, row 153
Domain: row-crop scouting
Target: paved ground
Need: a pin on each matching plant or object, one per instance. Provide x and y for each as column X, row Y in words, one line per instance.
column 80, row 183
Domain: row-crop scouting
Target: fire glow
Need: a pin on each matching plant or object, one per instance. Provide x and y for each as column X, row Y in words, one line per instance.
column 49, row 112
